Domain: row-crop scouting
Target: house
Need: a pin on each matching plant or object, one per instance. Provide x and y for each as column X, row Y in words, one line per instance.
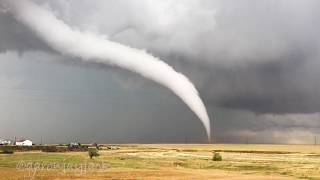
column 24, row 143
column 5, row 142
column 74, row 145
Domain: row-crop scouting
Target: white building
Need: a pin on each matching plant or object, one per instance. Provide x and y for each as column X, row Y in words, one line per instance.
column 5, row 142
column 24, row 143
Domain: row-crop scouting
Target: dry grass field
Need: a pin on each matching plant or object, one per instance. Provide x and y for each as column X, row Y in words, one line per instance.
column 168, row 161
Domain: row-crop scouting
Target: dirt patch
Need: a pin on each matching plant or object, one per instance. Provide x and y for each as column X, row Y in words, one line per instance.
column 124, row 173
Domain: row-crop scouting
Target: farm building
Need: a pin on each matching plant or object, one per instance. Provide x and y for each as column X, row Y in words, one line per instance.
column 74, row 145
column 24, row 143
column 5, row 142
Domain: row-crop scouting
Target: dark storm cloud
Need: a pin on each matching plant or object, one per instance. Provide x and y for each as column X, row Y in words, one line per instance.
column 275, row 87
column 285, row 85
column 258, row 57
column 15, row 36
column 262, row 57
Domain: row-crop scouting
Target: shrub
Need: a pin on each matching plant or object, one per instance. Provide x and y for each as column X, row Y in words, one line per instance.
column 49, row 149
column 93, row 152
column 216, row 157
column 8, row 151
column 54, row 149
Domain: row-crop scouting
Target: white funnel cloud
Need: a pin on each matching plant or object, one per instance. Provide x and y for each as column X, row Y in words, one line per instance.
column 97, row 48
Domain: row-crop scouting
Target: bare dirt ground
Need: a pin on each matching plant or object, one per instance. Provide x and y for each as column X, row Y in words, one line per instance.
column 126, row 173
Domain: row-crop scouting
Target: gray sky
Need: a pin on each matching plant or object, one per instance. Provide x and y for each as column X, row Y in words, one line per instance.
column 255, row 63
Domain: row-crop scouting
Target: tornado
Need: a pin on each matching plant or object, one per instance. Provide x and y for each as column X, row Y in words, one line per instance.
column 96, row 48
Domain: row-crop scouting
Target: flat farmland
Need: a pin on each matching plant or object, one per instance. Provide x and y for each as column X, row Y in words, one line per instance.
column 168, row 161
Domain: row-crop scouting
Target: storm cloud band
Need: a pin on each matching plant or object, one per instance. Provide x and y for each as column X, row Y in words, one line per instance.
column 92, row 47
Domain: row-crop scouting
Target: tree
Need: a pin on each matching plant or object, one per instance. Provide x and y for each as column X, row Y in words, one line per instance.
column 93, row 152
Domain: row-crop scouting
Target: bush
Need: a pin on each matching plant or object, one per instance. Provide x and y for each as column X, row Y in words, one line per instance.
column 8, row 151
column 49, row 149
column 54, row 149
column 93, row 152
column 216, row 157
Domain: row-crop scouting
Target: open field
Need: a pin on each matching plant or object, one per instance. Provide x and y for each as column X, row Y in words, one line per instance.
column 168, row 161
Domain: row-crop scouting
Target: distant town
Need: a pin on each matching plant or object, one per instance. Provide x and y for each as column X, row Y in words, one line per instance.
column 27, row 142
column 17, row 142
